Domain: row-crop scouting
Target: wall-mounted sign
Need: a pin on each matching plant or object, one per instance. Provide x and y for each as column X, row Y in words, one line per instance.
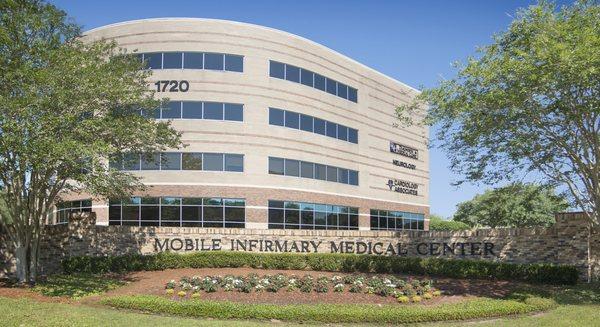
column 404, row 150
column 401, row 186
column 404, row 164
column 172, row 86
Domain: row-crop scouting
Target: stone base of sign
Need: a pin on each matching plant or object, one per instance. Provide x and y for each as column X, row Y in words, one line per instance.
column 570, row 241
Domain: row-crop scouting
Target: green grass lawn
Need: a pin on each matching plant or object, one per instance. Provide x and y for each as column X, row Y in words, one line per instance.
column 77, row 286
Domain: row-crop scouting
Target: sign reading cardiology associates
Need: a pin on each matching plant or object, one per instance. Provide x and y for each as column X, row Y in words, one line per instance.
column 376, row 248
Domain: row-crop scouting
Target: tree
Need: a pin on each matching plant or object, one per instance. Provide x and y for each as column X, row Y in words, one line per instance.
column 437, row 222
column 66, row 106
column 515, row 205
column 527, row 104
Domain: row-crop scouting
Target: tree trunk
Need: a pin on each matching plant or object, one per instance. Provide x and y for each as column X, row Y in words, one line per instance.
column 23, row 264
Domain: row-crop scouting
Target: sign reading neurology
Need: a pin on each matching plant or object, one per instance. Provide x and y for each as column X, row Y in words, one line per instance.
column 401, row 186
column 404, row 164
column 376, row 248
column 404, row 150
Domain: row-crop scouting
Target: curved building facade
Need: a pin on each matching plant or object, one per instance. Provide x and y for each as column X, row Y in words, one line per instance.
column 282, row 133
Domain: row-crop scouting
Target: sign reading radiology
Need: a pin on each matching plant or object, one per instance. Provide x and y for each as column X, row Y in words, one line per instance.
column 376, row 248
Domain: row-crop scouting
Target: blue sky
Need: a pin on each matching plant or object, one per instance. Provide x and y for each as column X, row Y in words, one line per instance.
column 414, row 42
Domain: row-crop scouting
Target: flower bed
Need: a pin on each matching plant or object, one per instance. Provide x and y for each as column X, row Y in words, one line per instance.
column 410, row 290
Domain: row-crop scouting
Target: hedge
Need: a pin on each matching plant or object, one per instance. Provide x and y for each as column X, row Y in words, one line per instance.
column 454, row 268
column 333, row 313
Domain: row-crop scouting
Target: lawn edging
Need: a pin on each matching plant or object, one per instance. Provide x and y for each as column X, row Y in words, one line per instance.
column 541, row 273
column 333, row 313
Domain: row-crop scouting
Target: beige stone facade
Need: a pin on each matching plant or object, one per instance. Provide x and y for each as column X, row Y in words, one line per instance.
column 372, row 115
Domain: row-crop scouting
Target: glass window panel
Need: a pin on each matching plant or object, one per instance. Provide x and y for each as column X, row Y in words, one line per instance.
column 171, row 161
column 343, row 220
column 235, row 214
column 192, row 110
column 153, row 60
column 383, row 222
column 319, row 82
column 342, row 133
column 213, row 61
column 320, row 207
column 307, row 206
column 213, row 110
column 320, row 218
column 332, row 220
column 172, row 110
column 150, row 213
column 352, row 135
column 212, row 162
column 234, row 202
column 234, row 63
column 352, row 94
column 276, row 216
column 192, row 201
column 234, row 112
column 332, row 174
column 275, row 204
column 420, row 225
column 307, row 219
column 151, row 161
column 319, row 126
column 169, row 214
column 276, row 117
column 133, row 200
column 292, row 217
column 213, row 201
column 193, row 60
column 292, row 73
column 292, row 205
column 306, row 169
column 191, row 161
column 342, row 91
column 320, row 172
column 353, row 220
column 151, row 113
column 306, row 77
column 170, row 201
column 131, row 213
column 374, row 222
column 172, row 60
column 331, row 86
column 353, row 177
column 343, row 175
column 331, row 129
column 277, row 69
column 292, row 167
column 276, row 166
column 116, row 162
column 306, row 123
column 131, row 161
column 114, row 214
column 234, row 162
column 292, row 119
column 191, row 213
column 213, row 214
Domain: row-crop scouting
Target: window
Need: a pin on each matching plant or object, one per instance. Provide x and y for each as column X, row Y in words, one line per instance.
column 172, row 60
column 319, row 126
column 302, row 215
column 131, row 162
column 173, row 110
column 305, row 169
column 213, row 61
column 193, row 60
column 234, row 162
column 396, row 220
column 176, row 212
column 312, row 79
column 153, row 60
column 64, row 210
column 308, row 123
column 182, row 161
column 192, row 110
column 331, row 129
column 191, row 161
column 234, row 63
column 199, row 110
column 234, row 112
column 151, row 161
column 213, row 110
column 342, row 132
column 352, row 135
column 292, row 119
column 171, row 161
column 276, row 117
column 212, row 161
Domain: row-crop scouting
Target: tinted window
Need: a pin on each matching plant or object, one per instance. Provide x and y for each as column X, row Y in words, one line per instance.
column 153, row 60
column 276, row 166
column 352, row 135
column 319, row 126
column 173, row 110
column 320, row 172
column 151, row 161
column 292, row 73
column 352, row 94
column 277, row 69
column 170, row 161
column 192, row 110
column 306, row 77
column 213, row 162
column 234, row 162
column 353, row 177
column 342, row 91
column 306, row 169
column 276, row 117
column 234, row 63
column 131, row 162
column 331, row 129
column 292, row 167
column 332, row 174
column 319, row 82
column 213, row 110
column 213, row 61
column 191, row 161
column 331, row 86
column 343, row 175
column 306, row 123
column 234, row 112
column 292, row 119
column 342, row 132
column 193, row 60
column 172, row 60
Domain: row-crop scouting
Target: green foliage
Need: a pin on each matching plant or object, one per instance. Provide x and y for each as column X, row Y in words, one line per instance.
column 436, row 222
column 77, row 286
column 332, row 313
column 528, row 102
column 536, row 273
column 515, row 205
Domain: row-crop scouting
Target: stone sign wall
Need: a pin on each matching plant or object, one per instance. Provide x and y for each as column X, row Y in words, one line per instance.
column 567, row 242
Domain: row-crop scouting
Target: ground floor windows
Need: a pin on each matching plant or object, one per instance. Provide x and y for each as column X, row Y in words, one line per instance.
column 297, row 168
column 178, row 212
column 302, row 215
column 396, row 220
column 65, row 209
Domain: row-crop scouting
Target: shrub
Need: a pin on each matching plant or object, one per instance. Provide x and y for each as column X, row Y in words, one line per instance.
column 427, row 296
column 181, row 293
column 403, row 299
column 454, row 268
column 170, row 291
column 416, row 299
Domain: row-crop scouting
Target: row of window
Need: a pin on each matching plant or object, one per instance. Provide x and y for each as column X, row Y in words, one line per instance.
column 198, row 110
column 309, row 78
column 301, row 215
column 193, row 60
column 178, row 212
column 180, row 161
column 396, row 220
column 312, row 124
column 305, row 169
column 65, row 209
